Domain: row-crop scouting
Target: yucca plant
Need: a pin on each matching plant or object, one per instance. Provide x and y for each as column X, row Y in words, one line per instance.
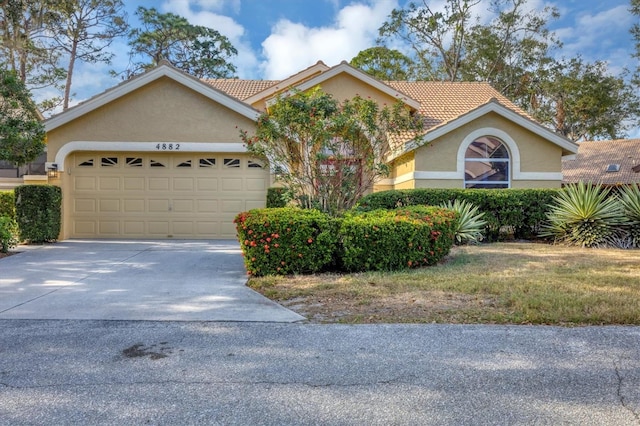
column 470, row 223
column 630, row 200
column 584, row 215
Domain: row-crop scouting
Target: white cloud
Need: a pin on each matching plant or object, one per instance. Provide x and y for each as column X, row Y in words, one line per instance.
column 293, row 46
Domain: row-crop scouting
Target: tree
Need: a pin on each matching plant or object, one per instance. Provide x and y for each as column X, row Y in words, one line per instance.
column 326, row 153
column 22, row 134
column 452, row 45
column 24, row 28
column 384, row 63
column 87, row 28
column 635, row 31
column 582, row 101
column 197, row 50
column 436, row 38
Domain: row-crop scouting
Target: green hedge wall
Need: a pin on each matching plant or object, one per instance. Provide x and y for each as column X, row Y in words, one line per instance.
column 518, row 211
column 38, row 212
column 387, row 240
column 286, row 240
column 7, row 204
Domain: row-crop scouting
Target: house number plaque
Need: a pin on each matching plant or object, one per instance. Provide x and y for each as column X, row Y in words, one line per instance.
column 168, row 147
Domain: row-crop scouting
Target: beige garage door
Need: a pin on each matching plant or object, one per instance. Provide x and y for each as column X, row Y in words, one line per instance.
column 153, row 195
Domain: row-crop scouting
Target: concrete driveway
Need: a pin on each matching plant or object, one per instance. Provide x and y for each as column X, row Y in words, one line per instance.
column 133, row 280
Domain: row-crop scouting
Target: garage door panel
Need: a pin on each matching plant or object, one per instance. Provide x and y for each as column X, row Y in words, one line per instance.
column 173, row 195
column 109, row 183
column 83, row 205
column 134, row 183
column 159, row 184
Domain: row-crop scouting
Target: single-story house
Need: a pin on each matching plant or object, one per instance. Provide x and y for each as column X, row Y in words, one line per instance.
column 611, row 163
column 159, row 155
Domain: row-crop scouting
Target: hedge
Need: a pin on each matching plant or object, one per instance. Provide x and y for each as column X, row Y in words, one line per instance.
column 387, row 240
column 286, row 240
column 518, row 211
column 276, row 197
column 38, row 212
column 8, row 233
column 7, row 204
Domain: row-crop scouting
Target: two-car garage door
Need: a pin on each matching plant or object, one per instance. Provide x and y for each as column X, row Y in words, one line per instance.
column 158, row 195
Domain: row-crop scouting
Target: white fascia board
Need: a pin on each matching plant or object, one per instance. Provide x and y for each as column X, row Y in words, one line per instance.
column 142, row 80
column 362, row 76
column 109, row 146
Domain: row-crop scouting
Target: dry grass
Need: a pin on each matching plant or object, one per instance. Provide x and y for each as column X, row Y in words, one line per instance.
column 509, row 283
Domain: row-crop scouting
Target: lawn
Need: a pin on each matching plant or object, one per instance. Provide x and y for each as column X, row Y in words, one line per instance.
column 505, row 283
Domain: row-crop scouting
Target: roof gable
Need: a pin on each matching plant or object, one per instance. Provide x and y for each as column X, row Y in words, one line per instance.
column 162, row 70
column 568, row 147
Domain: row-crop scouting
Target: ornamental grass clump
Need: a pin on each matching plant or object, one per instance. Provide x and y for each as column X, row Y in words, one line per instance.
column 470, row 222
column 630, row 200
column 585, row 215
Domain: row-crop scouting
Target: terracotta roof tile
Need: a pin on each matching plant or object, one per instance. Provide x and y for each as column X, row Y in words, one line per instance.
column 240, row 89
column 593, row 159
column 443, row 101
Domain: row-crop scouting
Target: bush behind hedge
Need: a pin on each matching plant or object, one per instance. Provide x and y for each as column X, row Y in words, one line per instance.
column 38, row 212
column 388, row 240
column 7, row 204
column 522, row 211
column 286, row 240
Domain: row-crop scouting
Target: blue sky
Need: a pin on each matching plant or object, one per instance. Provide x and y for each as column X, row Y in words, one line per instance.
column 276, row 38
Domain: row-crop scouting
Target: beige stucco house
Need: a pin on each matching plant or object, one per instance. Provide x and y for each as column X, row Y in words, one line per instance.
column 159, row 156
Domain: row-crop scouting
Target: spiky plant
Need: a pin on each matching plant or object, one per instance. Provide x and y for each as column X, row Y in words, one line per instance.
column 470, row 223
column 584, row 215
column 630, row 200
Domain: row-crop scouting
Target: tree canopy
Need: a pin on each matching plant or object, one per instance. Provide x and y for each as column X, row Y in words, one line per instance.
column 22, row 134
column 200, row 51
column 328, row 153
column 384, row 63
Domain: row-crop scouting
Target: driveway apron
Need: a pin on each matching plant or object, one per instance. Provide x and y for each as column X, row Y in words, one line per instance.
column 176, row 280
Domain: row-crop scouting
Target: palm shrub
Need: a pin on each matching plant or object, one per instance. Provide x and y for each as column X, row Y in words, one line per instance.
column 470, row 223
column 630, row 199
column 584, row 215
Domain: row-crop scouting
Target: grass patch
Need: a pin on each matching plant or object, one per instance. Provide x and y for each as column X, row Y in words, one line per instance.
column 504, row 283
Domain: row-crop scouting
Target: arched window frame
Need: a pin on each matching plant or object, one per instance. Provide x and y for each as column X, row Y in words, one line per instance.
column 512, row 148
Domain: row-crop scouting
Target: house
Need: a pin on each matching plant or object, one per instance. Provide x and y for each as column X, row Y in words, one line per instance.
column 159, row 156
column 611, row 162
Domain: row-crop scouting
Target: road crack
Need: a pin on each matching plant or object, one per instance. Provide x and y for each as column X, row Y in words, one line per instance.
column 620, row 395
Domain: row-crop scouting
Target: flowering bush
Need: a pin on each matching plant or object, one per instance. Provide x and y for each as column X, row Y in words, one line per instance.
column 286, row 240
column 389, row 240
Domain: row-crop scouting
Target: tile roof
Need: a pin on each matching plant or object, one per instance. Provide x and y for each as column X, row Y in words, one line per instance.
column 593, row 159
column 240, row 89
column 443, row 101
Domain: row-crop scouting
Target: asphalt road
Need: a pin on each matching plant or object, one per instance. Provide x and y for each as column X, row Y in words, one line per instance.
column 137, row 372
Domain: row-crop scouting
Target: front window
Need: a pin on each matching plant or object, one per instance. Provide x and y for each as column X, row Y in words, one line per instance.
column 486, row 164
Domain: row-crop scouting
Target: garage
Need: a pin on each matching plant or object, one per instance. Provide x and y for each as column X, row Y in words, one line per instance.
column 162, row 195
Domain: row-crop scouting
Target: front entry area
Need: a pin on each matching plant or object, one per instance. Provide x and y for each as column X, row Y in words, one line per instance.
column 161, row 194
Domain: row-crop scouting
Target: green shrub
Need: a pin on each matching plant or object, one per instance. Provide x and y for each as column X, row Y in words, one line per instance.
column 7, row 204
column 470, row 223
column 38, row 212
column 8, row 233
column 519, row 212
column 277, row 197
column 630, row 200
column 286, row 240
column 387, row 240
column 584, row 215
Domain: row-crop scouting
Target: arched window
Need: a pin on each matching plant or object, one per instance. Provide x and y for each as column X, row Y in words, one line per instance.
column 487, row 164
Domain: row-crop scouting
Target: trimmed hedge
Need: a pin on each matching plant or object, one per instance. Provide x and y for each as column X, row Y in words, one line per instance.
column 520, row 211
column 8, row 233
column 7, row 204
column 276, row 197
column 387, row 240
column 38, row 212
column 286, row 240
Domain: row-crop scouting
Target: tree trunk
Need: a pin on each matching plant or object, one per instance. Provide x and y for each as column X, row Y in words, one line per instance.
column 67, row 86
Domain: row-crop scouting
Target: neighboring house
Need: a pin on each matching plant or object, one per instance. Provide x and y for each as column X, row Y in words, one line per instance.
column 159, row 156
column 613, row 162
